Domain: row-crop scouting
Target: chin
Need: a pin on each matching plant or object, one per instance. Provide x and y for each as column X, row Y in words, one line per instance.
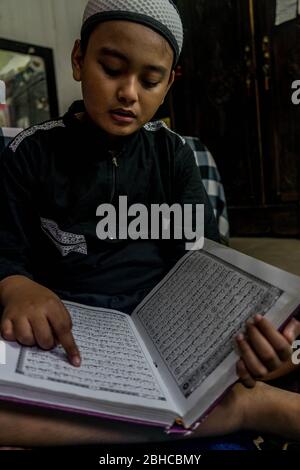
column 118, row 131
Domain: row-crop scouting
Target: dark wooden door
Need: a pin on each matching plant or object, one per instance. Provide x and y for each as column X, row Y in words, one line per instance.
column 235, row 94
column 278, row 51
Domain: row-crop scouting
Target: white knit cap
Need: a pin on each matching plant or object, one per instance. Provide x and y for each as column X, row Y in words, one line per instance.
column 160, row 15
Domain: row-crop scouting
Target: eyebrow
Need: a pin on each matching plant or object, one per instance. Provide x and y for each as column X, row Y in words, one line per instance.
column 107, row 51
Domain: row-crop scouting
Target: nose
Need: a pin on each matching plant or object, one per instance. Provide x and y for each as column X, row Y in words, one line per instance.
column 128, row 90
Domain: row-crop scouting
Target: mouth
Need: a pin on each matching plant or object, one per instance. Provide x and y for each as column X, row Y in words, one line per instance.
column 123, row 115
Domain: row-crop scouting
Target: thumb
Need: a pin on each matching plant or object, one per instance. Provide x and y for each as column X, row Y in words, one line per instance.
column 292, row 330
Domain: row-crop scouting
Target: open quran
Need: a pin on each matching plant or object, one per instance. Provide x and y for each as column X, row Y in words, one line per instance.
column 172, row 359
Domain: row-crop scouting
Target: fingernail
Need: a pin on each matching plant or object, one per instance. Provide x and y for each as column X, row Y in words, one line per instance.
column 250, row 321
column 76, row 361
column 257, row 317
column 240, row 337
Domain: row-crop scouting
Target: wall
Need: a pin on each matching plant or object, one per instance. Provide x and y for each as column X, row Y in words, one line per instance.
column 48, row 23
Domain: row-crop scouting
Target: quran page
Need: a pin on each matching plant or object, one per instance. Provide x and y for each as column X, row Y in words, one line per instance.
column 191, row 317
column 115, row 364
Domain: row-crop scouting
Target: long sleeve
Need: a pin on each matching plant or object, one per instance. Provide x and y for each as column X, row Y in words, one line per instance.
column 17, row 216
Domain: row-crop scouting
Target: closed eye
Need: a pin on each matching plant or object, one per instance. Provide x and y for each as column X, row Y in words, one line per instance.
column 148, row 84
column 111, row 72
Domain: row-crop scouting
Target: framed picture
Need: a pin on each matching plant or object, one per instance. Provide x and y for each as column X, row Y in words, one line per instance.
column 30, row 88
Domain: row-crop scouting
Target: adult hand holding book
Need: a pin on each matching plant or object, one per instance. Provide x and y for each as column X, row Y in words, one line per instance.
column 34, row 315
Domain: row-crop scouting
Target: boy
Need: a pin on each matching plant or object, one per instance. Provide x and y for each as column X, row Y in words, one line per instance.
column 53, row 178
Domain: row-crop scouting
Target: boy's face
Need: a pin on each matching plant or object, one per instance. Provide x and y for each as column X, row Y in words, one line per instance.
column 126, row 68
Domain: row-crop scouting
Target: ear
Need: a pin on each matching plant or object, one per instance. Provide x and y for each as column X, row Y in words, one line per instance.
column 77, row 60
column 170, row 83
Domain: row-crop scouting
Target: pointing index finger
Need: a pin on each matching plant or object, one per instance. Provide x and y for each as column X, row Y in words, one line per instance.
column 68, row 343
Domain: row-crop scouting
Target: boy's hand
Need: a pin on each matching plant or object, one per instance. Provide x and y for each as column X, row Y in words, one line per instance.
column 33, row 315
column 264, row 349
